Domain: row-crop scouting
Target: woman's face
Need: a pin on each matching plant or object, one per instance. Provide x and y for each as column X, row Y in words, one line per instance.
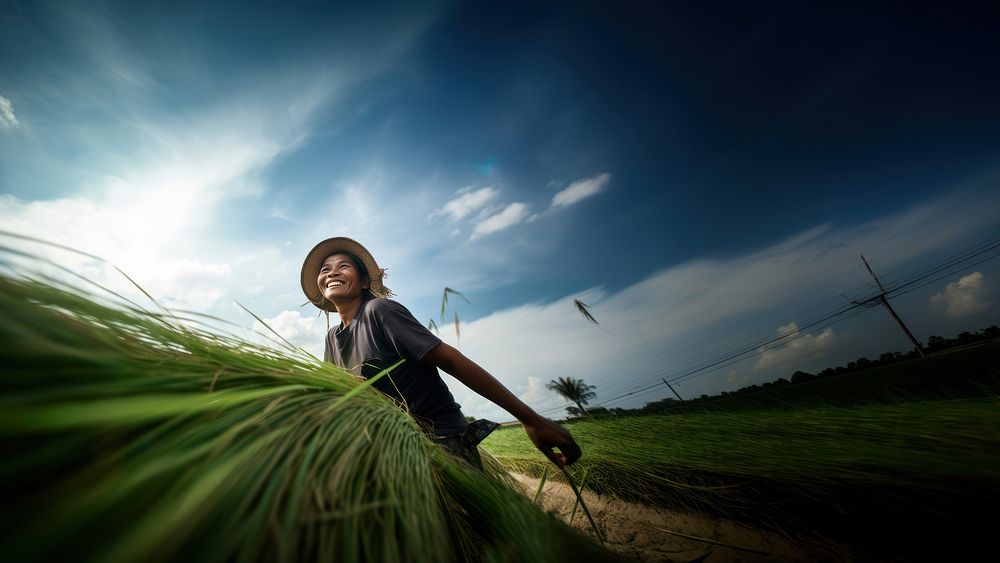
column 340, row 280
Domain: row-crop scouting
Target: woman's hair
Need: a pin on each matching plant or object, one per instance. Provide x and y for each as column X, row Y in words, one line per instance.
column 363, row 272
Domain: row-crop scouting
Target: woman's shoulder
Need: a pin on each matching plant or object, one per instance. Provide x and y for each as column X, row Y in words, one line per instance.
column 382, row 305
column 384, row 310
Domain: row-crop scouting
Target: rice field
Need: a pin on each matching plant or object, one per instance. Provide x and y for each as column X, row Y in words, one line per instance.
column 133, row 435
column 875, row 477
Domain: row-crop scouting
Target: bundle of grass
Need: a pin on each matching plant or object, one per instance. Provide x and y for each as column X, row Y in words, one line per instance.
column 132, row 436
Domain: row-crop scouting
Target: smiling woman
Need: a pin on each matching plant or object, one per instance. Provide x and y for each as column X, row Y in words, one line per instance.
column 340, row 278
column 375, row 332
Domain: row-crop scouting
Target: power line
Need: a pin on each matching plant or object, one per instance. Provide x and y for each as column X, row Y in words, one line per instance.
column 656, row 362
column 949, row 266
column 972, row 253
column 928, row 273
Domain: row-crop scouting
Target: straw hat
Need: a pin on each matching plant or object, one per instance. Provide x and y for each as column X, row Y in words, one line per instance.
column 320, row 252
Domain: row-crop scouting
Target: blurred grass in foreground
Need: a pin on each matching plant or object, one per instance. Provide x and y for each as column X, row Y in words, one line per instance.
column 131, row 436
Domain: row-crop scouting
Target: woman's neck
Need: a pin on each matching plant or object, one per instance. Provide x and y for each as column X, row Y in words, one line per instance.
column 348, row 310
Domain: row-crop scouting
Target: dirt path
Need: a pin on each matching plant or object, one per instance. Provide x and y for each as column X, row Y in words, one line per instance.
column 637, row 531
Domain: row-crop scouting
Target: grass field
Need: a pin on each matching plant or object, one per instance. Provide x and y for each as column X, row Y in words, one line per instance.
column 875, row 476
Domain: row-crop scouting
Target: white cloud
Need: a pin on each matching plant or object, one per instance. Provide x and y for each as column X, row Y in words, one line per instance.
column 7, row 118
column 510, row 216
column 735, row 378
column 190, row 284
column 468, row 201
column 176, row 282
column 152, row 218
column 489, row 220
column 796, row 348
column 534, row 392
column 788, row 329
column 967, row 296
column 301, row 330
column 580, row 190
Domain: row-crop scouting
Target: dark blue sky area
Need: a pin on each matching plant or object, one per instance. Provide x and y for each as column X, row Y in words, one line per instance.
column 758, row 118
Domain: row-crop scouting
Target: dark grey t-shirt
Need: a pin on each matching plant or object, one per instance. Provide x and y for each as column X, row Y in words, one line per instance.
column 382, row 333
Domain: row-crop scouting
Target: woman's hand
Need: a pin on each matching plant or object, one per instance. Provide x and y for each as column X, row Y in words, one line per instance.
column 547, row 435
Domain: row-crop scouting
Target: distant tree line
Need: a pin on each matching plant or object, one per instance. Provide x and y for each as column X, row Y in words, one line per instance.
column 934, row 344
column 937, row 343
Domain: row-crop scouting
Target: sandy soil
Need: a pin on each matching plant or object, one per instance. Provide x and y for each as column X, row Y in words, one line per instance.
column 643, row 533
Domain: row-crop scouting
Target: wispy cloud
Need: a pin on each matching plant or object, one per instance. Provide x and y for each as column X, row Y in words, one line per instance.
column 513, row 214
column 468, row 201
column 581, row 190
column 7, row 118
column 967, row 296
column 488, row 219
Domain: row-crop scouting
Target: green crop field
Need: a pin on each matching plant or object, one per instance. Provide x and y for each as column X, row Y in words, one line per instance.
column 872, row 476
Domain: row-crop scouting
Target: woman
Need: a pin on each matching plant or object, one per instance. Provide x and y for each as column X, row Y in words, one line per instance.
column 340, row 275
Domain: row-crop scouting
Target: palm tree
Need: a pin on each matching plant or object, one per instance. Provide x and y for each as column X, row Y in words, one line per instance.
column 573, row 389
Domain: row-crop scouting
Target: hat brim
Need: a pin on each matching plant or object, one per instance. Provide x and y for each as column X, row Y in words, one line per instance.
column 314, row 261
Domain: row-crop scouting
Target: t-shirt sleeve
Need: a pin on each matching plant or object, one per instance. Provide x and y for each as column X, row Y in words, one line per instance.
column 411, row 339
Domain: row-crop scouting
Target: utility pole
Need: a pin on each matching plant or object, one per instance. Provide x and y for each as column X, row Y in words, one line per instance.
column 672, row 389
column 881, row 297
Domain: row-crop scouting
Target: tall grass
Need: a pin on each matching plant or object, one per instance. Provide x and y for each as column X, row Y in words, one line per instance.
column 130, row 435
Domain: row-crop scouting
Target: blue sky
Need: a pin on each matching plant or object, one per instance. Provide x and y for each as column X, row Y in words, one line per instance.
column 704, row 177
